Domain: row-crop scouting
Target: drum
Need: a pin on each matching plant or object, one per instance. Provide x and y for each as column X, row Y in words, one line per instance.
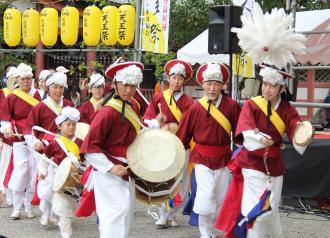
column 66, row 176
column 156, row 159
column 172, row 127
column 303, row 133
column 82, row 130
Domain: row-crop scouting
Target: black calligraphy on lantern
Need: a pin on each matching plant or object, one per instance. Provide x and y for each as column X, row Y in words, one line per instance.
column 105, row 28
column 154, row 29
column 122, row 25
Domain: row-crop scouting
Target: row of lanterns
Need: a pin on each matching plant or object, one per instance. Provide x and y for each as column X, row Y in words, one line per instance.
column 111, row 25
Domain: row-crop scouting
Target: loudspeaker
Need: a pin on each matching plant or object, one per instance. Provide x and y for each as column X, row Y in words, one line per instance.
column 221, row 20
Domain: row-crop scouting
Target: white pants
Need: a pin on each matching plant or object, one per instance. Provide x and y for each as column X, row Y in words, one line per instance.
column 63, row 207
column 255, row 182
column 212, row 186
column 164, row 213
column 114, row 199
column 23, row 176
column 6, row 152
column 24, row 169
column 45, row 192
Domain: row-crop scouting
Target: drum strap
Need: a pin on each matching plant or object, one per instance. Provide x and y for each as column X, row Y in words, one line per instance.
column 216, row 114
column 172, row 106
column 274, row 117
column 26, row 97
column 129, row 113
column 159, row 193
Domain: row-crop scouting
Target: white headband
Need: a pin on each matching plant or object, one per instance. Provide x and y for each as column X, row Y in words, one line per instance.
column 58, row 78
column 129, row 75
column 96, row 80
column 212, row 73
column 44, row 74
column 24, row 71
column 271, row 76
column 68, row 113
column 178, row 69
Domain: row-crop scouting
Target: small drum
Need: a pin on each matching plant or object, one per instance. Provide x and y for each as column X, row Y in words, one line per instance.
column 303, row 133
column 82, row 130
column 156, row 158
column 66, row 176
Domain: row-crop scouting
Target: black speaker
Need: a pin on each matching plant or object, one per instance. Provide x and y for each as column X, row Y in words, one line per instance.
column 221, row 20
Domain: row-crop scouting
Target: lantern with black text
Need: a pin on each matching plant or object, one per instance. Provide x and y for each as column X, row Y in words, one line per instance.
column 109, row 25
column 126, row 24
column 48, row 26
column 69, row 25
column 92, row 18
column 30, row 27
column 12, row 26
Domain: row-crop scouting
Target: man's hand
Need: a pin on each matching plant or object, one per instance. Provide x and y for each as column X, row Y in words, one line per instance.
column 267, row 141
column 161, row 118
column 39, row 146
column 84, row 84
column 119, row 170
column 8, row 133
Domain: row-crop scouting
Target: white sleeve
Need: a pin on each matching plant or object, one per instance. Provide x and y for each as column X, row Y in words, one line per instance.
column 4, row 126
column 31, row 140
column 300, row 149
column 99, row 161
column 152, row 124
column 252, row 140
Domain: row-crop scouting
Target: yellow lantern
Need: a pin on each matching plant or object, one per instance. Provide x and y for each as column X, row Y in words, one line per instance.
column 92, row 18
column 48, row 26
column 109, row 25
column 69, row 25
column 126, row 24
column 30, row 27
column 12, row 26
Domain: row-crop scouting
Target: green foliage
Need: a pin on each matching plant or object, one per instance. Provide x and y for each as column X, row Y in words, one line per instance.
column 159, row 60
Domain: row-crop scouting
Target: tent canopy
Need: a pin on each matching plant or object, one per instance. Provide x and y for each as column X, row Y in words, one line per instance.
column 196, row 51
column 317, row 47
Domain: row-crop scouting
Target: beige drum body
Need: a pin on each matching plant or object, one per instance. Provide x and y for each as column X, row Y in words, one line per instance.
column 66, row 176
column 303, row 133
column 156, row 159
column 82, row 130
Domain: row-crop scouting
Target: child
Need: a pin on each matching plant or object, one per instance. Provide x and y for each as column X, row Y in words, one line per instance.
column 67, row 145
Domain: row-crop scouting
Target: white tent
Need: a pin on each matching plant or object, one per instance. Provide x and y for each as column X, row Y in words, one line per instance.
column 196, row 51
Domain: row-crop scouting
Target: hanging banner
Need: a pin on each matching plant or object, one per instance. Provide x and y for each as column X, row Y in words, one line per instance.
column 242, row 65
column 155, row 26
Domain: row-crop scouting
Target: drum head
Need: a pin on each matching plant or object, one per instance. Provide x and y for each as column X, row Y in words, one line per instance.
column 10, row 82
column 303, row 133
column 81, row 130
column 156, row 155
column 62, row 174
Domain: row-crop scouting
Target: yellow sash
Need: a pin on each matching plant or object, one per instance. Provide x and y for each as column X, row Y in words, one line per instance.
column 6, row 91
column 53, row 106
column 174, row 108
column 94, row 101
column 274, row 118
column 129, row 112
column 26, row 97
column 71, row 146
column 216, row 114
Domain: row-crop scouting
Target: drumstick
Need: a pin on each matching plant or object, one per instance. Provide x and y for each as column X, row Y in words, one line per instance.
column 159, row 107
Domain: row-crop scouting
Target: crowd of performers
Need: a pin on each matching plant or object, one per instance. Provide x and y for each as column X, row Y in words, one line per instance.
column 238, row 193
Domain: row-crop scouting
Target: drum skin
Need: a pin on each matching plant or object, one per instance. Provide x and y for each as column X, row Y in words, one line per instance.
column 303, row 133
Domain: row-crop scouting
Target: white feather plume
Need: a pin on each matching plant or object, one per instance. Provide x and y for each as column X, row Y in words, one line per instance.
column 269, row 38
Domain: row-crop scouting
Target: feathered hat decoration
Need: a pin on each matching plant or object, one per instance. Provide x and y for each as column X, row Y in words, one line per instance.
column 270, row 38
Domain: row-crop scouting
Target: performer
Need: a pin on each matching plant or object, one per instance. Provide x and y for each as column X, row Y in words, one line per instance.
column 113, row 129
column 43, row 115
column 42, row 82
column 96, row 88
column 173, row 103
column 251, row 205
column 6, row 162
column 210, row 122
column 67, row 145
column 13, row 116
